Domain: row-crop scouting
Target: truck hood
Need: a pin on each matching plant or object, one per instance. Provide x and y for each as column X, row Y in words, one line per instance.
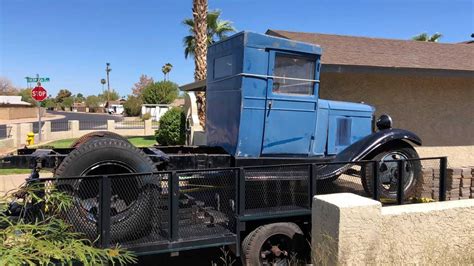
column 348, row 106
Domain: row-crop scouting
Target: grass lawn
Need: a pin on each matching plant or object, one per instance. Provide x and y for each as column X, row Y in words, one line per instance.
column 137, row 141
column 14, row 171
column 66, row 143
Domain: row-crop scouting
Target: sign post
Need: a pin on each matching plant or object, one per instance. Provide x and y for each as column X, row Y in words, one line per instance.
column 39, row 94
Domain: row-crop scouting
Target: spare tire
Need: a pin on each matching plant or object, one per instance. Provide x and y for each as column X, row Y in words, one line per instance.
column 95, row 135
column 131, row 196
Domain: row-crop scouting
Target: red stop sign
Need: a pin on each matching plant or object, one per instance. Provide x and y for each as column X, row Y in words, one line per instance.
column 38, row 93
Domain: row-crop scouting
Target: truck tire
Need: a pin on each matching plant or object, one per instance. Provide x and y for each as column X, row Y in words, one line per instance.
column 388, row 171
column 131, row 196
column 257, row 246
column 95, row 135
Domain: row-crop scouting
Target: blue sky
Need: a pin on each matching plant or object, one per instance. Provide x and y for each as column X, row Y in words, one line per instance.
column 71, row 40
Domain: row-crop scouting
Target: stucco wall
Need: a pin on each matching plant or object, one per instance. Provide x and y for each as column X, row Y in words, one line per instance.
column 439, row 109
column 17, row 112
column 352, row 230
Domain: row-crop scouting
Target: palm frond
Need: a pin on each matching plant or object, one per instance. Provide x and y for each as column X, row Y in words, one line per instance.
column 423, row 37
column 435, row 37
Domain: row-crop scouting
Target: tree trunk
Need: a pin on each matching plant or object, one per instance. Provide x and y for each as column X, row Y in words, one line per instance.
column 200, row 53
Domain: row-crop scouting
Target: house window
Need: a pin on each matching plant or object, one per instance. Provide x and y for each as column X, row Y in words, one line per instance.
column 223, row 67
column 293, row 75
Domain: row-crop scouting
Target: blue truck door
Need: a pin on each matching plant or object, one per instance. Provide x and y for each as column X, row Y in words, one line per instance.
column 290, row 113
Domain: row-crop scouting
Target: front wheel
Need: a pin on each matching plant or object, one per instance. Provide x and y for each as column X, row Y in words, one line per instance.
column 388, row 172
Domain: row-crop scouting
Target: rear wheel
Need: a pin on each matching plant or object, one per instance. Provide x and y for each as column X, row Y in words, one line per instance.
column 388, row 172
column 131, row 197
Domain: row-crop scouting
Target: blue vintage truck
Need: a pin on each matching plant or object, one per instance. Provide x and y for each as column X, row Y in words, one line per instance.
column 272, row 144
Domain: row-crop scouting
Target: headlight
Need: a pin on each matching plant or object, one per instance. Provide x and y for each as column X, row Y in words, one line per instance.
column 384, row 122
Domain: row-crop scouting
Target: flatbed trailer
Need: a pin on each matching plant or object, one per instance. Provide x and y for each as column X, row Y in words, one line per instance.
column 200, row 208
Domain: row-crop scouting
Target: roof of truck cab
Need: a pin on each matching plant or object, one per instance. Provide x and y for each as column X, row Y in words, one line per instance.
column 356, row 51
column 265, row 41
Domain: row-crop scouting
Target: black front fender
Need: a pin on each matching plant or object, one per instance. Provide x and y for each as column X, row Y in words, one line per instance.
column 358, row 150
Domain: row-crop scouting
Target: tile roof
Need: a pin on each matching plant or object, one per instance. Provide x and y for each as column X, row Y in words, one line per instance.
column 364, row 51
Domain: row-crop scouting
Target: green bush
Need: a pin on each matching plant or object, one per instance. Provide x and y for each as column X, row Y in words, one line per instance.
column 133, row 106
column 146, row 116
column 172, row 128
column 49, row 240
column 163, row 92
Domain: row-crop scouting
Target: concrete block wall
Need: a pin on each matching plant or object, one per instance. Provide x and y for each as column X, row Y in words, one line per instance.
column 348, row 229
column 19, row 132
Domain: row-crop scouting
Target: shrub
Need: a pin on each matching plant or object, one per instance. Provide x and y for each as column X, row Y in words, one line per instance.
column 146, row 116
column 163, row 92
column 48, row 240
column 172, row 128
column 92, row 101
column 133, row 106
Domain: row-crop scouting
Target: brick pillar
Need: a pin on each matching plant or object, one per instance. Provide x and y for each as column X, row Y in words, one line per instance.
column 46, row 130
column 14, row 133
column 24, row 129
column 111, row 125
column 74, row 128
column 148, row 129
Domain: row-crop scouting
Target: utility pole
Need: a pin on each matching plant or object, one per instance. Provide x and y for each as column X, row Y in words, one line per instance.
column 107, row 70
column 39, row 112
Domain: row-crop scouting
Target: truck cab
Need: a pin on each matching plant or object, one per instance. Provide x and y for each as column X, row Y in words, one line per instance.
column 263, row 101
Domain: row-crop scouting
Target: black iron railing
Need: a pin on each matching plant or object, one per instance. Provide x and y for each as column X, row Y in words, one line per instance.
column 5, row 131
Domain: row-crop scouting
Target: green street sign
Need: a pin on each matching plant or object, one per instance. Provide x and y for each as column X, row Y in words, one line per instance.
column 28, row 79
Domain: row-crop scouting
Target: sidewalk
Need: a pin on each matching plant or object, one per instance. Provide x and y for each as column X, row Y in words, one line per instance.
column 46, row 117
column 9, row 182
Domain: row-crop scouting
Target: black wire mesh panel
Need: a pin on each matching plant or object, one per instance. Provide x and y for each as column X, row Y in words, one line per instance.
column 276, row 188
column 83, row 215
column 349, row 180
column 206, row 203
column 139, row 209
column 129, row 213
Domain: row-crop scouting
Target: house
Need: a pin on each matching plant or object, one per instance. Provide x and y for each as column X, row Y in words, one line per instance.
column 425, row 87
column 115, row 107
column 12, row 107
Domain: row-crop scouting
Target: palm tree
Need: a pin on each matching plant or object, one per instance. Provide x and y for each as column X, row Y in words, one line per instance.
column 424, row 37
column 199, row 46
column 166, row 69
column 216, row 30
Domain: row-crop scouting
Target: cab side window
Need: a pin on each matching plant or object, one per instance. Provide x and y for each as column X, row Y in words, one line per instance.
column 293, row 75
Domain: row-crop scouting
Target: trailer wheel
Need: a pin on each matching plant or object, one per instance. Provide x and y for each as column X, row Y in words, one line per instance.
column 131, row 198
column 95, row 135
column 388, row 171
column 271, row 244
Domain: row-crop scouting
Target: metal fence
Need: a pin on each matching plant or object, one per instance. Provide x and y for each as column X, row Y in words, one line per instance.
column 58, row 126
column 36, row 126
column 5, row 131
column 130, row 124
column 92, row 125
column 173, row 210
